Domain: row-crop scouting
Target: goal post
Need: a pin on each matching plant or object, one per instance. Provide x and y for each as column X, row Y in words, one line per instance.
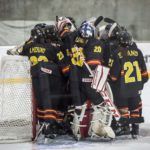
column 17, row 117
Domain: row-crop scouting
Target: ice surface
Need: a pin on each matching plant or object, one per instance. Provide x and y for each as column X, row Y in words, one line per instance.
column 121, row 143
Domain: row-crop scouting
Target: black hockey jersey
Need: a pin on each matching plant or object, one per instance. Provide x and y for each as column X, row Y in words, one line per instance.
column 44, row 57
column 110, row 47
column 128, row 71
column 92, row 49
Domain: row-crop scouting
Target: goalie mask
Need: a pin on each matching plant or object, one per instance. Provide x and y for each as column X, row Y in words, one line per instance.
column 86, row 30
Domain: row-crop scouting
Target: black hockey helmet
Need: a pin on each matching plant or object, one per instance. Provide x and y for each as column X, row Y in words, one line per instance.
column 51, row 33
column 38, row 30
column 37, row 34
column 112, row 30
column 125, row 38
column 40, row 25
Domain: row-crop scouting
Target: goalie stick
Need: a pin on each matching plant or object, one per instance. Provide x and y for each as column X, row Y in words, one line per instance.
column 104, row 94
column 109, row 103
column 100, row 84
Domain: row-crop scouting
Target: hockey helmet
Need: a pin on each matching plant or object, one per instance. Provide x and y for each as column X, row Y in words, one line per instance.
column 62, row 22
column 40, row 25
column 112, row 30
column 37, row 34
column 86, row 30
column 125, row 38
column 73, row 21
column 51, row 33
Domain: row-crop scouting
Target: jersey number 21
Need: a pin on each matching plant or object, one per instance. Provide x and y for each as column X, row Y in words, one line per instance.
column 131, row 67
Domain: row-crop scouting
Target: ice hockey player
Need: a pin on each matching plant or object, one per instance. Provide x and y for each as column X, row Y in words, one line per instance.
column 128, row 74
column 65, row 26
column 46, row 61
column 87, row 53
column 15, row 50
column 108, row 33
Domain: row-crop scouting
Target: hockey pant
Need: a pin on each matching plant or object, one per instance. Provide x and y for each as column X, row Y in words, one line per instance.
column 130, row 108
column 48, row 92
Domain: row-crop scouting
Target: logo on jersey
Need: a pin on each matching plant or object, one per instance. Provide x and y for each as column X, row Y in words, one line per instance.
column 45, row 70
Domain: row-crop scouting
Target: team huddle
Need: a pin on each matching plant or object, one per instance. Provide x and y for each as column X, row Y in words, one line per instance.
column 87, row 80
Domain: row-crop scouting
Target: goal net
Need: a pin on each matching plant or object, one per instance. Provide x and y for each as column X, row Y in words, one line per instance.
column 16, row 117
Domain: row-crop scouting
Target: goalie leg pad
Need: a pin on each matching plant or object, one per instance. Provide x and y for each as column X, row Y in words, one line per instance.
column 100, row 77
column 101, row 120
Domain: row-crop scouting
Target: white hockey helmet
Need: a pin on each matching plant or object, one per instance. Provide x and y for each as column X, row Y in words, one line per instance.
column 61, row 22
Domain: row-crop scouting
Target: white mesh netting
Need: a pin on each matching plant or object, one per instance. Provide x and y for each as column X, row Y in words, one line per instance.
column 15, row 99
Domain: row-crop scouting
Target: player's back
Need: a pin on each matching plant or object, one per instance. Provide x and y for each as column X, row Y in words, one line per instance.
column 41, row 55
column 130, row 80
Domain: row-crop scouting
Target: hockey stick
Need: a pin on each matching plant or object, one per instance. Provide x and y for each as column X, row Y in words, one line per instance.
column 56, row 18
column 98, row 20
column 108, row 20
column 39, row 132
column 87, row 66
column 14, row 51
column 114, row 25
column 106, row 96
column 111, row 21
column 89, row 69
